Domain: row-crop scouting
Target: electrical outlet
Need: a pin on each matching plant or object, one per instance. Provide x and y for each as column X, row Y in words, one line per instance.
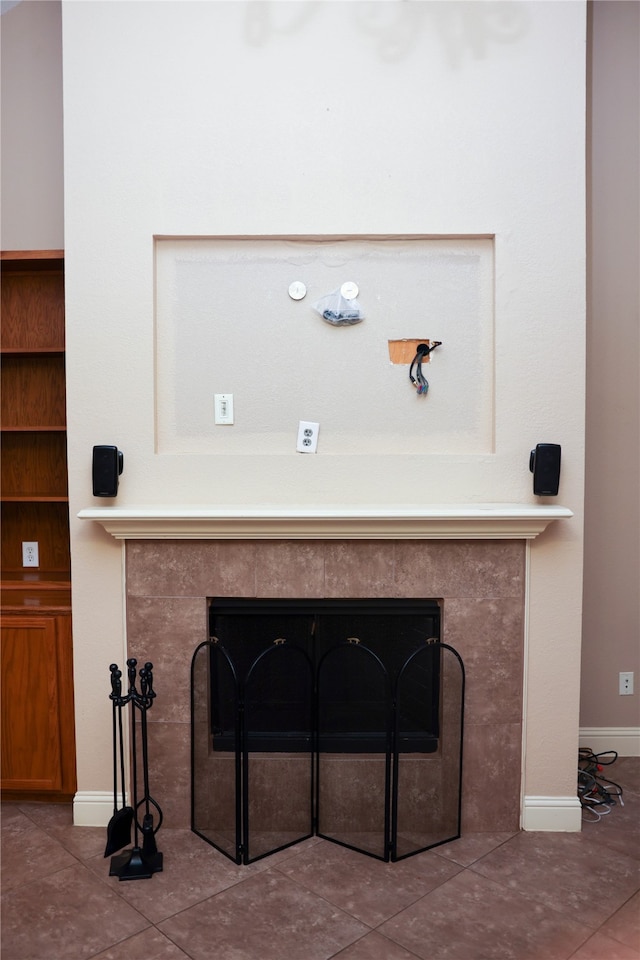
column 223, row 408
column 307, row 437
column 30, row 557
column 625, row 681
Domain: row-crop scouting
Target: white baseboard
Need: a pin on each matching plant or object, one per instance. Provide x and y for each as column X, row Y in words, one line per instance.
column 555, row 814
column 92, row 808
column 624, row 740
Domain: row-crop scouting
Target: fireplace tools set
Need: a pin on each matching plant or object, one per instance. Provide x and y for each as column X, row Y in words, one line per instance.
column 141, row 862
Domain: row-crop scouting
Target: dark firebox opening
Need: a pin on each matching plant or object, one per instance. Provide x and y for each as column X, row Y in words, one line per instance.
column 316, row 690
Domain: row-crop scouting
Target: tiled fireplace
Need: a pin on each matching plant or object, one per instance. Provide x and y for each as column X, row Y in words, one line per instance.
column 480, row 584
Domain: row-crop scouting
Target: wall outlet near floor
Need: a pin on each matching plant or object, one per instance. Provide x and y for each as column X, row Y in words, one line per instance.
column 30, row 553
column 307, row 437
column 626, row 683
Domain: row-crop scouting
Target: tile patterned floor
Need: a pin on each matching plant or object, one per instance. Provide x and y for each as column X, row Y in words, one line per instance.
column 527, row 896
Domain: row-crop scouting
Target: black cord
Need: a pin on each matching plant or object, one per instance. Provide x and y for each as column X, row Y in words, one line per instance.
column 420, row 382
column 593, row 789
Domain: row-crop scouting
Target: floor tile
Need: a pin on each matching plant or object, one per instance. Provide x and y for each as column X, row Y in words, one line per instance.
column 600, row 947
column 624, row 925
column 57, row 820
column 70, row 915
column 28, row 852
column 192, row 871
column 9, row 812
column 565, row 872
column 619, row 830
column 374, row 947
column 473, row 918
column 626, row 772
column 148, row 945
column 267, row 917
column 368, row 889
column 487, row 896
column 471, row 847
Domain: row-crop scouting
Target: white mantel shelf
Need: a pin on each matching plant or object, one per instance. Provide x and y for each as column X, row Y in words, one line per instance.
column 486, row 521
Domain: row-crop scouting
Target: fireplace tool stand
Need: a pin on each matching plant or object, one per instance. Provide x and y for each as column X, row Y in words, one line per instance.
column 141, row 862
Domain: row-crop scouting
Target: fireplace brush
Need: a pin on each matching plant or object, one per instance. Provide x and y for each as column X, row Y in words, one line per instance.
column 139, row 863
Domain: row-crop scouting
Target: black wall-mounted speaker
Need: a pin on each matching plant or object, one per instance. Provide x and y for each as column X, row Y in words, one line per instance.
column 544, row 464
column 108, row 462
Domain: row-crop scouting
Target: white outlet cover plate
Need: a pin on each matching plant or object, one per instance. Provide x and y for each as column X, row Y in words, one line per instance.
column 307, row 436
column 30, row 553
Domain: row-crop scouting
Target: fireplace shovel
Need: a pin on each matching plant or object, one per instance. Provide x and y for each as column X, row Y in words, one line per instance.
column 119, row 826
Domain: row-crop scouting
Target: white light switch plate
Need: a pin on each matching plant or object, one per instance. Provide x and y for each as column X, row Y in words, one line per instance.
column 223, row 408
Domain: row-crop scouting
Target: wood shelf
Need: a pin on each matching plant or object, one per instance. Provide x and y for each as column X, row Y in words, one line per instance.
column 29, row 579
column 36, row 428
column 32, row 351
column 44, row 600
column 32, row 257
column 33, row 498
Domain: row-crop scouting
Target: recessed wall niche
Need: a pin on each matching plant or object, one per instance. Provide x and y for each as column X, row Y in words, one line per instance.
column 226, row 324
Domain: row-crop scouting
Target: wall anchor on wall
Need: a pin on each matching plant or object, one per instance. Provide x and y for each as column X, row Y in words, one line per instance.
column 297, row 290
column 420, row 382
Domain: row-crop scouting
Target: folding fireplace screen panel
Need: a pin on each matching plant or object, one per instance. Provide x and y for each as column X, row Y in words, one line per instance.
column 341, row 718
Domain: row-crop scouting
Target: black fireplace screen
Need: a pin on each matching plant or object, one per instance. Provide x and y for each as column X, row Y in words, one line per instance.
column 336, row 718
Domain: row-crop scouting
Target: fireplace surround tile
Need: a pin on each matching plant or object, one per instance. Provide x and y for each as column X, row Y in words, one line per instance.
column 459, row 568
column 488, row 635
column 358, row 568
column 169, row 770
column 481, row 587
column 167, row 630
column 191, row 568
column 491, row 777
column 289, row 568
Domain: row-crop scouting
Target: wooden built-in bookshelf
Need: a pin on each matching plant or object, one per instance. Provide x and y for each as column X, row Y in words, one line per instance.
column 38, row 752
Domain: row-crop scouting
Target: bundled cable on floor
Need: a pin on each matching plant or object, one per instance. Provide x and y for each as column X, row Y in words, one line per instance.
column 597, row 794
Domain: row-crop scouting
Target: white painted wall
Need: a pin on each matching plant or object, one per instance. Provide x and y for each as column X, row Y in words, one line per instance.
column 209, row 119
column 611, row 610
column 225, row 323
column 31, row 126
